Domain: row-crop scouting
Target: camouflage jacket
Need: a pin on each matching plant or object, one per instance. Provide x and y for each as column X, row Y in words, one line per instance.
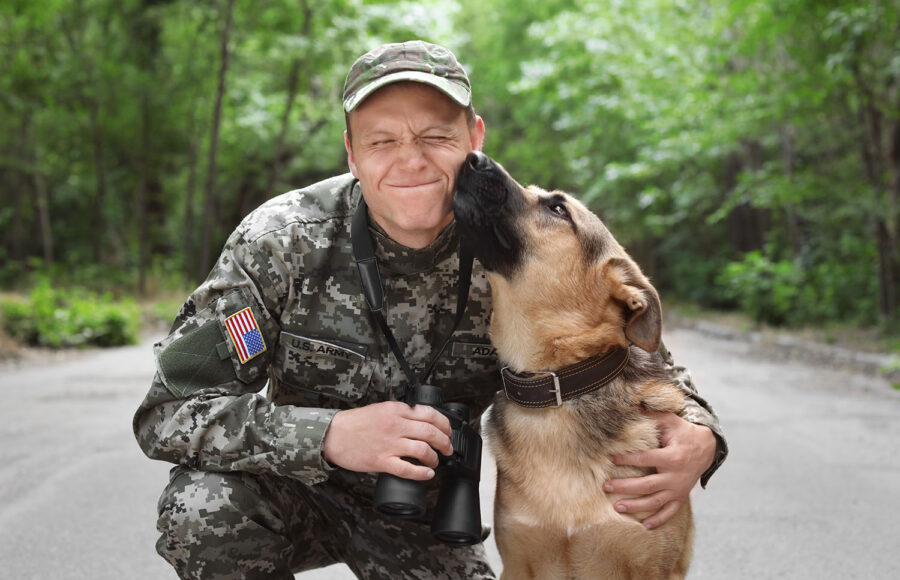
column 318, row 348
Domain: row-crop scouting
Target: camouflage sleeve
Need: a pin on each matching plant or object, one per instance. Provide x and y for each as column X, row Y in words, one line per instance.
column 204, row 409
column 697, row 410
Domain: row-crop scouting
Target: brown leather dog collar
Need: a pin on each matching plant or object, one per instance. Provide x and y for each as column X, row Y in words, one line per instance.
column 547, row 388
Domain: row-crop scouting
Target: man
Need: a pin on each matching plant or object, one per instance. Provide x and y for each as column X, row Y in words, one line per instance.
column 267, row 486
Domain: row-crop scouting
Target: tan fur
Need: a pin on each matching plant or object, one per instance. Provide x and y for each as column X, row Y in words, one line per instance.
column 552, row 517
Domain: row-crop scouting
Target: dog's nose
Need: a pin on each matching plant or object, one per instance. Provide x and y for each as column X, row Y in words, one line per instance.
column 478, row 161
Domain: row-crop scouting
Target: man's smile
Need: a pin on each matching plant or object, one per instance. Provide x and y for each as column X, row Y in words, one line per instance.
column 412, row 186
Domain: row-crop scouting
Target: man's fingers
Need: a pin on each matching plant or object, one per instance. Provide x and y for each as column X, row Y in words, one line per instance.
column 648, row 503
column 648, row 458
column 430, row 434
column 406, row 470
column 421, row 452
column 633, row 485
column 430, row 426
column 429, row 415
column 377, row 437
column 663, row 515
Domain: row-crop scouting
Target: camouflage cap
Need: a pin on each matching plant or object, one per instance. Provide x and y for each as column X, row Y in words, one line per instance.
column 415, row 61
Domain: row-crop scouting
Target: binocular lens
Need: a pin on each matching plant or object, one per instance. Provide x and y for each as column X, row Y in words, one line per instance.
column 395, row 496
column 458, row 538
column 400, row 510
column 457, row 517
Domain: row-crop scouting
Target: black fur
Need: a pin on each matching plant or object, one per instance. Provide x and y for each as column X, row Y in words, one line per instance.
column 486, row 203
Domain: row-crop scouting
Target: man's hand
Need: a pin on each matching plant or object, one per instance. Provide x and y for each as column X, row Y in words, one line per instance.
column 686, row 452
column 377, row 437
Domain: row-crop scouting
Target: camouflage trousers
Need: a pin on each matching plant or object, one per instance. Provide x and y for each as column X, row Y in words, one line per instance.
column 240, row 525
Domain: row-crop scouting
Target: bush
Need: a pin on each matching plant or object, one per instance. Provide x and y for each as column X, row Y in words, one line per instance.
column 770, row 292
column 71, row 317
column 841, row 287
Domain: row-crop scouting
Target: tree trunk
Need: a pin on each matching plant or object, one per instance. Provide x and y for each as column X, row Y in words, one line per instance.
column 190, row 235
column 17, row 235
column 275, row 167
column 293, row 81
column 889, row 233
column 43, row 207
column 141, row 201
column 19, row 247
column 150, row 208
column 90, row 102
column 190, row 238
column 98, row 219
column 39, row 183
column 879, row 161
column 788, row 156
column 210, row 200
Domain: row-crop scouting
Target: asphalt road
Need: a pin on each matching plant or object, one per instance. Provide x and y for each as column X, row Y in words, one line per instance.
column 811, row 488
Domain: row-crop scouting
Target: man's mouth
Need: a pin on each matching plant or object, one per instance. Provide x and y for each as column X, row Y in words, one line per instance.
column 414, row 185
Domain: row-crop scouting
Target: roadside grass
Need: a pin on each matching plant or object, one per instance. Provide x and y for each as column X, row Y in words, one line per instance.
column 864, row 339
column 52, row 316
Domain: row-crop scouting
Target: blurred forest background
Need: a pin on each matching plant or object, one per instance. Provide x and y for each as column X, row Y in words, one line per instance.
column 747, row 152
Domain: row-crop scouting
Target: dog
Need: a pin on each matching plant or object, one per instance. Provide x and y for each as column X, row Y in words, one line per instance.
column 578, row 326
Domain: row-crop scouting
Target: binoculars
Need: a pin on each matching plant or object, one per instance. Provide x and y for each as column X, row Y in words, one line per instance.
column 457, row 516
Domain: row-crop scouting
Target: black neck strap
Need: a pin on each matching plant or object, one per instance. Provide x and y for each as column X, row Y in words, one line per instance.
column 373, row 289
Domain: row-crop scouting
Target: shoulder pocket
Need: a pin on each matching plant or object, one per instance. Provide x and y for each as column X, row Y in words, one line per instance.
column 329, row 367
column 204, row 351
column 192, row 362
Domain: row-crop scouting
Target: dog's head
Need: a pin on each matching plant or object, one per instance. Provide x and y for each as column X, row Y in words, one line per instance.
column 558, row 276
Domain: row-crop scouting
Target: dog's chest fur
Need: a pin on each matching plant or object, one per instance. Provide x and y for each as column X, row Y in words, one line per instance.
column 555, row 460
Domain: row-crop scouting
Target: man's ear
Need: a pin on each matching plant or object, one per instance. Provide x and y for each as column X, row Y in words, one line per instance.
column 476, row 134
column 350, row 161
column 641, row 305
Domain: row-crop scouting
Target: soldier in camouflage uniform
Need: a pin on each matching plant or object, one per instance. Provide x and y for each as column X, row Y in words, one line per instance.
column 268, row 485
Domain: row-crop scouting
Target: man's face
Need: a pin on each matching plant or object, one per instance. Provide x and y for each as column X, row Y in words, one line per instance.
column 409, row 141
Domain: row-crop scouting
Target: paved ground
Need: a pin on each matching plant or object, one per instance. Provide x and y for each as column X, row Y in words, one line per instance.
column 809, row 491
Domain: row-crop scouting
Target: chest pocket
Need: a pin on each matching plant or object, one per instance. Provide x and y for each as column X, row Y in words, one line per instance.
column 331, row 368
column 467, row 370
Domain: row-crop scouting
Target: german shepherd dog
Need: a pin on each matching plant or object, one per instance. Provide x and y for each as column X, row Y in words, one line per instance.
column 578, row 325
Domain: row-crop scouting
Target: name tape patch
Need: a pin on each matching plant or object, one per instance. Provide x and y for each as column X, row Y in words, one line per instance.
column 245, row 334
column 300, row 347
column 472, row 350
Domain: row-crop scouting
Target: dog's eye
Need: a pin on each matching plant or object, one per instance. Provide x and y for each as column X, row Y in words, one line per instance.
column 559, row 209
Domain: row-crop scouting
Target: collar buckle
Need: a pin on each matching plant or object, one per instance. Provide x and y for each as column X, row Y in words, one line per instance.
column 556, row 390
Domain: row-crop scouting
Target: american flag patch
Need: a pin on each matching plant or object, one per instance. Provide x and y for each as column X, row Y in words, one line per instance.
column 245, row 334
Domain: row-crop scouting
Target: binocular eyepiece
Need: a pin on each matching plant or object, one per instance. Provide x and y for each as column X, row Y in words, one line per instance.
column 457, row 516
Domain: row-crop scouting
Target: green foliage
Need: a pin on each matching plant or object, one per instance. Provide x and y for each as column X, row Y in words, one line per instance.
column 768, row 291
column 713, row 131
column 164, row 310
column 700, row 132
column 785, row 292
column 64, row 318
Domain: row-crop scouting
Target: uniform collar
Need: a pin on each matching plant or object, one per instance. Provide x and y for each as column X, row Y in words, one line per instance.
column 396, row 259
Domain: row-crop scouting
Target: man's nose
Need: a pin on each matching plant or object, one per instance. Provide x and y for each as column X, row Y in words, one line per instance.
column 412, row 153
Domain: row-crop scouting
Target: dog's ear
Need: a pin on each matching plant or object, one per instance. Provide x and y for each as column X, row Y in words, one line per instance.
column 643, row 311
